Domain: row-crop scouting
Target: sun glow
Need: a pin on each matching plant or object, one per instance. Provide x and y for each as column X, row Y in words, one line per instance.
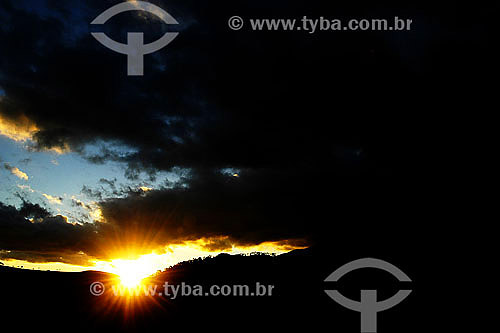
column 132, row 272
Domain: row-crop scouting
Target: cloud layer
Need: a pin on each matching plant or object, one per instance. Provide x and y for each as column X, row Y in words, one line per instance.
column 322, row 130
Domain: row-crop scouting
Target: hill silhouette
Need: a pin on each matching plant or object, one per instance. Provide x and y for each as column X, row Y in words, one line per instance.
column 58, row 300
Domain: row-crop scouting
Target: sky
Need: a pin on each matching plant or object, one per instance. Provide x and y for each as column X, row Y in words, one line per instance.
column 232, row 141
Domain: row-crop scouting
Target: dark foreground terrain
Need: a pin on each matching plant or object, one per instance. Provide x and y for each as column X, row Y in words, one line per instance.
column 63, row 302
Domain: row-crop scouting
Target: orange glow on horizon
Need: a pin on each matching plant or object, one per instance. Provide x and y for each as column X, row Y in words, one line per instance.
column 132, row 270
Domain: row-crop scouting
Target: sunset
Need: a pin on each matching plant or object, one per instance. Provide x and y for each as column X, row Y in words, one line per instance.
column 173, row 165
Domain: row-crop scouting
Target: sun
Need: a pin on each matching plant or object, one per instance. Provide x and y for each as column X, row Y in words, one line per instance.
column 132, row 272
column 130, row 278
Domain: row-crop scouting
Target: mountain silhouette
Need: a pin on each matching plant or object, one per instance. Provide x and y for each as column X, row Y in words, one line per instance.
column 298, row 300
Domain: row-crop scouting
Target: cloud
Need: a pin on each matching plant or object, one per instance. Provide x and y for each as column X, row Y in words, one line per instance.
column 32, row 233
column 16, row 172
column 267, row 116
column 33, row 211
column 248, row 210
column 26, row 188
column 323, row 131
column 72, row 258
column 23, row 129
column 18, row 129
column 52, row 199
column 78, row 203
column 276, row 111
column 47, row 238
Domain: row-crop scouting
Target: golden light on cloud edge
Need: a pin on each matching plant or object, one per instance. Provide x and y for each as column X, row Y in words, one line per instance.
column 132, row 271
column 224, row 244
column 60, row 150
column 22, row 129
column 95, row 213
column 52, row 199
column 18, row 173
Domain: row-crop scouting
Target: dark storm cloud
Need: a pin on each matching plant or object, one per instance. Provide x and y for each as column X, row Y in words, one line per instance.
column 45, row 238
column 321, row 126
column 139, row 224
column 216, row 98
column 289, row 206
column 250, row 209
column 71, row 89
column 220, row 99
column 35, row 211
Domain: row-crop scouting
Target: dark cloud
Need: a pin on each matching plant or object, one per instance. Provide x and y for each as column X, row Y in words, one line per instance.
column 8, row 167
column 35, row 211
column 44, row 238
column 248, row 210
column 254, row 207
column 142, row 223
column 221, row 98
column 110, row 183
column 217, row 98
column 323, row 129
column 92, row 193
column 47, row 257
